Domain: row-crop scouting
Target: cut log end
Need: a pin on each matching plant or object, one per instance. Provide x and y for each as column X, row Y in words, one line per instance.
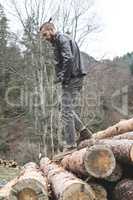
column 64, row 185
column 27, row 194
column 99, row 161
column 116, row 175
column 100, row 192
column 28, row 189
column 78, row 191
column 124, row 190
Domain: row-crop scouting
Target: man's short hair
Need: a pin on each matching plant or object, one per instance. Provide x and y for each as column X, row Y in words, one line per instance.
column 48, row 26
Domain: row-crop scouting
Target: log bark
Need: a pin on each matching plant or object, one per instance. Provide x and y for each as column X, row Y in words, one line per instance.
column 116, row 175
column 128, row 136
column 30, row 184
column 85, row 143
column 122, row 127
column 124, row 190
column 122, row 149
column 97, row 161
column 65, row 186
column 100, row 191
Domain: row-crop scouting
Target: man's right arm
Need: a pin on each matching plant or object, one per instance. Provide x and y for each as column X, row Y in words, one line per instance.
column 66, row 58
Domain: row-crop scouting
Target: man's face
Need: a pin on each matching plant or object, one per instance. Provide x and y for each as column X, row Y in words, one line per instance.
column 46, row 34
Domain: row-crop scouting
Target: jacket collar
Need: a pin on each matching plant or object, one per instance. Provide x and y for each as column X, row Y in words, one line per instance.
column 55, row 39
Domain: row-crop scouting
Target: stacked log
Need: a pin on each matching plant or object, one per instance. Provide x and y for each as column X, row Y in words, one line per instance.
column 97, row 161
column 122, row 149
column 128, row 136
column 100, row 191
column 64, row 184
column 122, row 127
column 101, row 169
column 120, row 143
column 116, row 132
column 116, row 175
column 124, row 190
column 30, row 184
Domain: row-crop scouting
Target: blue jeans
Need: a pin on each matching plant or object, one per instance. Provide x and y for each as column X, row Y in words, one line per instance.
column 71, row 109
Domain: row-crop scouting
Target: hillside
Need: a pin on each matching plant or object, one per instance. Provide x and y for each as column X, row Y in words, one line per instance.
column 106, row 98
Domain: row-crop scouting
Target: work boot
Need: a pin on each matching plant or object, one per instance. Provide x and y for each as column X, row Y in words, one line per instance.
column 84, row 135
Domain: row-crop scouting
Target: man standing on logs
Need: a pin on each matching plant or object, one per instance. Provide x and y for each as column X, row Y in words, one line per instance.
column 70, row 72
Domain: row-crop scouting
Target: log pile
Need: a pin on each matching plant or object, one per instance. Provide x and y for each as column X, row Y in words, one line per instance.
column 97, row 161
column 8, row 163
column 64, row 184
column 101, row 169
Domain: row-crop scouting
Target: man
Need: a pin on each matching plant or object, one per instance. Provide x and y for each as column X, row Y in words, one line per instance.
column 70, row 72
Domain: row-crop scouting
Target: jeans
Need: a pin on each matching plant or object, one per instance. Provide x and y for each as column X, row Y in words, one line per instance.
column 71, row 109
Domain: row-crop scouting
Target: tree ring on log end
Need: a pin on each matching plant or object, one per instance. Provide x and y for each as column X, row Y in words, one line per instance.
column 100, row 191
column 116, row 175
column 99, row 161
column 27, row 194
column 23, row 189
column 78, row 191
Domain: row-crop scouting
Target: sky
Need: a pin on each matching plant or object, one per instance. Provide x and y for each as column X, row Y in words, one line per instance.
column 116, row 35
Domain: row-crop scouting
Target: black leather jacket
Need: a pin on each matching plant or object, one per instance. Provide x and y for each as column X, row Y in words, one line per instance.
column 68, row 58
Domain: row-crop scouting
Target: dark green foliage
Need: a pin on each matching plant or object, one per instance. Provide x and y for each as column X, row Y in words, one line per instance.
column 4, row 147
column 131, row 68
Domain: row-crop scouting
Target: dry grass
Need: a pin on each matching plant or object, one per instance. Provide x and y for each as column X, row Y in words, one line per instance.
column 6, row 174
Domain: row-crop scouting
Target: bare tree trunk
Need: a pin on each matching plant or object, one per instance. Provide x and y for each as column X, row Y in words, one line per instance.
column 97, row 161
column 64, row 184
